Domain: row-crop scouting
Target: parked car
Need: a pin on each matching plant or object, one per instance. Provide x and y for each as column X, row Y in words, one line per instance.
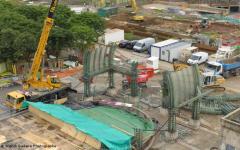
column 198, row 58
column 131, row 44
column 143, row 45
column 123, row 43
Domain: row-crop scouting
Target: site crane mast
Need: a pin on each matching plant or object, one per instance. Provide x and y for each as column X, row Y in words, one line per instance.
column 32, row 80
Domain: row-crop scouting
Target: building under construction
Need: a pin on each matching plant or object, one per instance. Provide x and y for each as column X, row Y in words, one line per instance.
column 122, row 95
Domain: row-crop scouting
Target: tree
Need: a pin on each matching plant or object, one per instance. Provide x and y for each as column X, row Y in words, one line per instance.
column 62, row 17
column 84, row 37
column 91, row 20
column 25, row 44
column 7, row 51
column 21, row 27
column 36, row 13
column 59, row 40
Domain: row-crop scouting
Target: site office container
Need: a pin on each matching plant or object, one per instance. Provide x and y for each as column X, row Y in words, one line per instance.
column 169, row 49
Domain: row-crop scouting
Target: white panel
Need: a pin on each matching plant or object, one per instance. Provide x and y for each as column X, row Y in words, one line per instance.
column 155, row 51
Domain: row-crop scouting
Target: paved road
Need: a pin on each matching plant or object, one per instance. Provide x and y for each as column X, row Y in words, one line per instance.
column 142, row 58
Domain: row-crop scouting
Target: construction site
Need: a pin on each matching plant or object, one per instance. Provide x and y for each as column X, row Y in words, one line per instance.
column 120, row 74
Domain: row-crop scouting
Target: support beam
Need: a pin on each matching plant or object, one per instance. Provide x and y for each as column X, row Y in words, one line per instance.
column 111, row 79
column 133, row 84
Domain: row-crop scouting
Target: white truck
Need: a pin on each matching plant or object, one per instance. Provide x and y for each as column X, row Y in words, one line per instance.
column 225, row 67
column 143, row 45
column 198, row 58
column 224, row 52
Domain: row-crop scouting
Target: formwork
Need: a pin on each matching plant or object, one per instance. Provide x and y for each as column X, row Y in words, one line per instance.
column 98, row 126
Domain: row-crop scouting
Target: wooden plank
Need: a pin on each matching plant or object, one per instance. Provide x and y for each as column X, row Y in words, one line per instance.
column 94, row 143
column 33, row 138
column 70, row 130
column 2, row 139
column 81, row 136
column 67, row 128
column 45, row 116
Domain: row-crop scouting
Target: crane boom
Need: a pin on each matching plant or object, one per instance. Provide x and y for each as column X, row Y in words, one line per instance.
column 48, row 23
column 136, row 17
column 37, row 60
column 134, row 6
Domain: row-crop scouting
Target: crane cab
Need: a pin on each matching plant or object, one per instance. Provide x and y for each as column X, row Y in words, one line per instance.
column 213, row 80
column 54, row 81
column 15, row 100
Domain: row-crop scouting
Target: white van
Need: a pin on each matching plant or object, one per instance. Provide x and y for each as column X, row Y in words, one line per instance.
column 143, row 45
column 198, row 58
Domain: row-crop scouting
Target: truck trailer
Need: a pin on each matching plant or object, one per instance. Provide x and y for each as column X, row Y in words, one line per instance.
column 226, row 67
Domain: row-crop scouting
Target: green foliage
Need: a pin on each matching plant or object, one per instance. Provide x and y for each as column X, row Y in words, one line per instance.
column 59, row 39
column 36, row 13
column 21, row 27
column 7, row 38
column 25, row 44
column 62, row 16
column 85, row 36
column 89, row 19
column 130, row 36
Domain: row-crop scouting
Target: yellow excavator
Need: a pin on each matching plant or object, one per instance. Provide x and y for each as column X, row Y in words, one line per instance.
column 136, row 17
column 49, row 82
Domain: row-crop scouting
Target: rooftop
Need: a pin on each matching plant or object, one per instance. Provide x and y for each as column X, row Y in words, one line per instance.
column 166, row 42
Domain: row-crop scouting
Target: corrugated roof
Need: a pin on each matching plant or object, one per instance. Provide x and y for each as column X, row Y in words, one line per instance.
column 166, row 42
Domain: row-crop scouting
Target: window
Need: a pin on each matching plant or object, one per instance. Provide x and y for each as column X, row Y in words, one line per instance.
column 19, row 100
column 230, row 147
column 163, row 52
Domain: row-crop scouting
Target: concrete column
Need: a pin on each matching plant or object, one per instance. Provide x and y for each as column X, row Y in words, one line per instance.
column 134, row 100
column 112, row 91
column 171, row 136
column 172, row 133
column 194, row 123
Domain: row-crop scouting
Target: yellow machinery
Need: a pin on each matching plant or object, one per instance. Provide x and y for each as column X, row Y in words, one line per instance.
column 49, row 82
column 102, row 3
column 213, row 81
column 15, row 100
column 135, row 11
column 209, row 80
column 178, row 65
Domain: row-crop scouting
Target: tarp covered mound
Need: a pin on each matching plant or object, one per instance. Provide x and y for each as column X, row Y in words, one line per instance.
column 119, row 119
column 112, row 138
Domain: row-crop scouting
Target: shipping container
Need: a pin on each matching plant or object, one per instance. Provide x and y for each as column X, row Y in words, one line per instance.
column 169, row 49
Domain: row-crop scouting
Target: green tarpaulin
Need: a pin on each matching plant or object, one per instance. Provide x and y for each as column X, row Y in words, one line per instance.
column 110, row 137
column 119, row 119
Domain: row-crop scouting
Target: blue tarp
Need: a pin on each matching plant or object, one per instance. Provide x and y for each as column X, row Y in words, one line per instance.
column 110, row 137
